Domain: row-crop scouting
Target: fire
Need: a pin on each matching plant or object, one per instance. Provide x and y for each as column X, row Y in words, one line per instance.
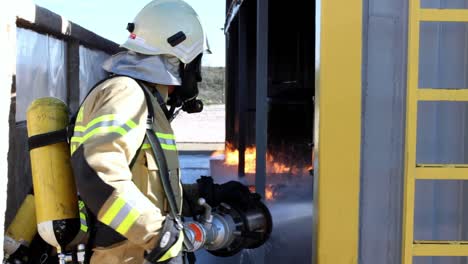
column 231, row 158
column 269, row 192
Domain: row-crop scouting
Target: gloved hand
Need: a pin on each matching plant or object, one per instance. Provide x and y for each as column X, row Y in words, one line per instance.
column 170, row 243
column 232, row 192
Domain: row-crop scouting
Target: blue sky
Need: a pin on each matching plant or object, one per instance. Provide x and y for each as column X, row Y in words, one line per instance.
column 109, row 19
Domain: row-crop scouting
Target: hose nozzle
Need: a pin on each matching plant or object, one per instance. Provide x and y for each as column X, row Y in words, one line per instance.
column 207, row 216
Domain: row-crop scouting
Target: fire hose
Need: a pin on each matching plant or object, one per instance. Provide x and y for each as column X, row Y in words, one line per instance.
column 227, row 229
column 223, row 231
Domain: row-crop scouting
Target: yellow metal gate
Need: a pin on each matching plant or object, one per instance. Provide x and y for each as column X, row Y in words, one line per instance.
column 414, row 171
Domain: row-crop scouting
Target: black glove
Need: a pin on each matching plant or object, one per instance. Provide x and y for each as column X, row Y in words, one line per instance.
column 170, row 233
column 233, row 193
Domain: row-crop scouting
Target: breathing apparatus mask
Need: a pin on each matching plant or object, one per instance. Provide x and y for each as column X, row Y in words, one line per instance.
column 184, row 97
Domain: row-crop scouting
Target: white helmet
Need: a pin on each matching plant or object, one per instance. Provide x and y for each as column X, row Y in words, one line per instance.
column 168, row 27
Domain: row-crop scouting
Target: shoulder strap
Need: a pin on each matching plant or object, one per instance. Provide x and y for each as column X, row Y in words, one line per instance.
column 160, row 158
column 161, row 161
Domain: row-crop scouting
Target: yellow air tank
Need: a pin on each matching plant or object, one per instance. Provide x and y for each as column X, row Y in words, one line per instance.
column 21, row 231
column 55, row 193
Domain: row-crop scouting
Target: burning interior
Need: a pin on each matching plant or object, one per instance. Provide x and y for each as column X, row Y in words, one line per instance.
column 270, row 116
column 289, row 92
column 283, row 169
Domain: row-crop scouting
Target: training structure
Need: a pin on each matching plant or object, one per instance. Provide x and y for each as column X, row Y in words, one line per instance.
column 54, row 57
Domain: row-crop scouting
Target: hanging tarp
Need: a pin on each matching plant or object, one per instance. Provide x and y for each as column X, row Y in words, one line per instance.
column 40, row 69
column 90, row 69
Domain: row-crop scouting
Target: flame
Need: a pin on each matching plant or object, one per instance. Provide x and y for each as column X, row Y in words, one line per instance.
column 269, row 192
column 231, row 158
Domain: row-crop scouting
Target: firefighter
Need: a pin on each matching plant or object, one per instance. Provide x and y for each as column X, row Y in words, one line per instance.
column 115, row 168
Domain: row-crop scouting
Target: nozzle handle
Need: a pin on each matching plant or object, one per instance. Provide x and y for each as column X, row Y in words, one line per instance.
column 207, row 217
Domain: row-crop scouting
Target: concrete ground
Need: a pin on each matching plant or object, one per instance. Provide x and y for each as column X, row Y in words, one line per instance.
column 291, row 240
column 204, row 131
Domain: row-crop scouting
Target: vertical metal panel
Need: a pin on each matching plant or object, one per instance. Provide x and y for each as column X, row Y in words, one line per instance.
column 411, row 134
column 262, row 88
column 227, row 78
column 337, row 182
column 19, row 176
column 261, row 116
column 13, row 199
column 231, row 84
column 7, row 116
column 73, row 74
column 242, row 89
column 384, row 87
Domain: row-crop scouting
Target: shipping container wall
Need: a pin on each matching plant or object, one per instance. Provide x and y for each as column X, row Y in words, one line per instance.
column 441, row 211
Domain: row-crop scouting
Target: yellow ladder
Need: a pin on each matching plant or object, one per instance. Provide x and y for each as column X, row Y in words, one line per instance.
column 414, row 171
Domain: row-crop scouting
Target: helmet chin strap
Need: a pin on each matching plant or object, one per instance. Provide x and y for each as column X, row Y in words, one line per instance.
column 163, row 90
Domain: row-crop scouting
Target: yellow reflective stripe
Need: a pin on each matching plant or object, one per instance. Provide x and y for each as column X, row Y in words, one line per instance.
column 111, row 129
column 145, row 146
column 75, row 140
column 80, row 128
column 101, row 119
column 174, row 250
column 112, row 211
column 165, row 136
column 79, row 117
column 168, row 147
column 131, row 124
column 98, row 130
column 84, row 228
column 128, row 222
column 83, row 224
column 72, row 148
column 81, row 204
